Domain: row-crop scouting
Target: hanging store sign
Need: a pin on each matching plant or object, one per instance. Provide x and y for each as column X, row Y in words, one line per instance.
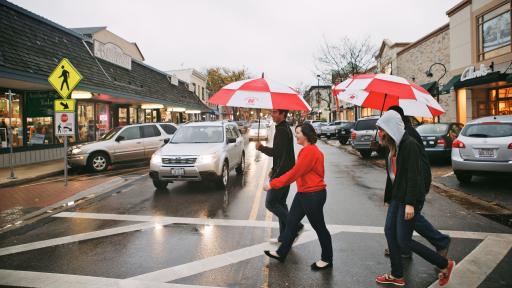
column 470, row 73
column 113, row 54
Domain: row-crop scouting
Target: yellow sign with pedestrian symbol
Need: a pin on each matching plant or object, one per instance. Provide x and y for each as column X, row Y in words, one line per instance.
column 64, row 105
column 64, row 78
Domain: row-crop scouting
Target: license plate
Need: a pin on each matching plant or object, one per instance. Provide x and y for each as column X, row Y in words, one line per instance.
column 366, row 138
column 177, row 171
column 486, row 153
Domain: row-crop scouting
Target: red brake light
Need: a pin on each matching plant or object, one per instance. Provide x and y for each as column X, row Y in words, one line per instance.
column 353, row 135
column 458, row 144
column 441, row 142
column 510, row 146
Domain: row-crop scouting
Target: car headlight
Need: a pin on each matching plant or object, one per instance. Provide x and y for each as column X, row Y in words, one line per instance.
column 207, row 159
column 156, row 158
column 76, row 151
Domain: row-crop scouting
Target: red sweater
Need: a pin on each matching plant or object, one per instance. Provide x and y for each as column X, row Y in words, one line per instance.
column 308, row 171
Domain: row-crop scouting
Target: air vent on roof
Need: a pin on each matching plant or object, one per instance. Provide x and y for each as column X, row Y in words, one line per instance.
column 173, row 79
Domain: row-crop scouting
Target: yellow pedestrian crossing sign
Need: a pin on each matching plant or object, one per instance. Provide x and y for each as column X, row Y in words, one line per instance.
column 64, row 78
column 64, row 105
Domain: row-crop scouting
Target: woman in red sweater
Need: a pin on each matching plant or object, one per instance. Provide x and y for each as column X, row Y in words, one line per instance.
column 309, row 200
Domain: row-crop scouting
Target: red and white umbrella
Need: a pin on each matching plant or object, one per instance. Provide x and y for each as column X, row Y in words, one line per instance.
column 259, row 93
column 380, row 91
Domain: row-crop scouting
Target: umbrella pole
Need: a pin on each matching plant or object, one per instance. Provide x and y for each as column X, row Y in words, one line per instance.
column 381, row 112
column 259, row 120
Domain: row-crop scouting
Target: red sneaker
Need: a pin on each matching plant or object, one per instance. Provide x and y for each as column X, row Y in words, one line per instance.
column 388, row 279
column 444, row 277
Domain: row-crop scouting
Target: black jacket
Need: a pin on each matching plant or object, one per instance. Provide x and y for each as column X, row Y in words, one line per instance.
column 413, row 176
column 282, row 152
column 411, row 131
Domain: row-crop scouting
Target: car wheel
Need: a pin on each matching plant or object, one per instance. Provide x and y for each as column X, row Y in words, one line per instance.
column 343, row 141
column 160, row 184
column 223, row 180
column 98, row 162
column 365, row 153
column 464, row 178
column 240, row 169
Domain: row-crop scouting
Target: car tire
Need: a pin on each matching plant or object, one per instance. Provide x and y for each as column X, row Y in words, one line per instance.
column 159, row 184
column 222, row 181
column 464, row 178
column 365, row 154
column 241, row 168
column 343, row 141
column 98, row 162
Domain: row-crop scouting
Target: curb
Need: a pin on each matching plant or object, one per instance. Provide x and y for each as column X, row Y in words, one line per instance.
column 83, row 197
column 30, row 179
column 467, row 201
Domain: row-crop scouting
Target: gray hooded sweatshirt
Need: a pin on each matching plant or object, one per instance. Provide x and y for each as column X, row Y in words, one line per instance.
column 392, row 123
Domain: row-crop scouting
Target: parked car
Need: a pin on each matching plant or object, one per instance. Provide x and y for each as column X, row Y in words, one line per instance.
column 318, row 127
column 483, row 146
column 197, row 152
column 344, row 131
column 364, row 134
column 253, row 131
column 122, row 144
column 331, row 129
column 438, row 137
column 243, row 126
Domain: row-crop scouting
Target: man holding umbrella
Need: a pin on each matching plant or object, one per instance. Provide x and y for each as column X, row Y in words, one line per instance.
column 283, row 158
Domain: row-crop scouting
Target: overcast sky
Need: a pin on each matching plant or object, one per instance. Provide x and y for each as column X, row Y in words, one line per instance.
column 278, row 37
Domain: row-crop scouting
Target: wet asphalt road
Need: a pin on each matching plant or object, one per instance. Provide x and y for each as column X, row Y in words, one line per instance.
column 355, row 191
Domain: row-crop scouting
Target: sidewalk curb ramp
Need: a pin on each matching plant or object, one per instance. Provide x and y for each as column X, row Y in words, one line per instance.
column 83, row 197
column 467, row 201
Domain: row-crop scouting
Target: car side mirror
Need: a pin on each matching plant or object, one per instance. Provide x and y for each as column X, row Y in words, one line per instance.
column 119, row 138
column 231, row 140
column 166, row 140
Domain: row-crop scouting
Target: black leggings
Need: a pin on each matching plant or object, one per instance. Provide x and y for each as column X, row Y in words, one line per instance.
column 309, row 204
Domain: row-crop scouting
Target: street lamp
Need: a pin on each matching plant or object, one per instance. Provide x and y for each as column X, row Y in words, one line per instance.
column 318, row 92
column 429, row 74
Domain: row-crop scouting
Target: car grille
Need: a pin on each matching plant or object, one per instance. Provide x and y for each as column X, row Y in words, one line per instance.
column 178, row 160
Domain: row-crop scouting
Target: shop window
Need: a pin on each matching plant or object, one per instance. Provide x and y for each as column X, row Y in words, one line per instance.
column 6, row 121
column 500, row 101
column 123, row 116
column 133, row 115
column 494, row 31
column 102, row 119
column 40, row 130
column 86, row 127
column 141, row 115
column 147, row 116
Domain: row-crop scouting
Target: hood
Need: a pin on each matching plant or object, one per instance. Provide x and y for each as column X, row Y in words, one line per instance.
column 392, row 123
column 191, row 148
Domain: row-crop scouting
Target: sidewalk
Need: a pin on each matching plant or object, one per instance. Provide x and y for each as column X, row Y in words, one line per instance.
column 31, row 172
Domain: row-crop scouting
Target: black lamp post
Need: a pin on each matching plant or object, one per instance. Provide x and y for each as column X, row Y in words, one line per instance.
column 436, row 89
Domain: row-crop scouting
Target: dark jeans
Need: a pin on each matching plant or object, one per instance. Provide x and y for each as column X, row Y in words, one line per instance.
column 439, row 240
column 399, row 236
column 311, row 205
column 276, row 203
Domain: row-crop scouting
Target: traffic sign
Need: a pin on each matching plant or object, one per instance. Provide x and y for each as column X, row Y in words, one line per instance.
column 64, row 105
column 64, row 124
column 64, row 78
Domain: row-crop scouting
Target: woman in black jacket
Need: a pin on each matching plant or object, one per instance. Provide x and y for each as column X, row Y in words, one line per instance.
column 406, row 186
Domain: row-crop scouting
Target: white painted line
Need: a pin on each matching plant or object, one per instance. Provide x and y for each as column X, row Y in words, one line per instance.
column 214, row 262
column 40, row 279
column 449, row 174
column 258, row 223
column 476, row 266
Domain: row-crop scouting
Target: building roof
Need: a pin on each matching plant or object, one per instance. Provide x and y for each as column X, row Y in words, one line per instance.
column 461, row 5
column 31, row 47
column 88, row 30
column 390, row 44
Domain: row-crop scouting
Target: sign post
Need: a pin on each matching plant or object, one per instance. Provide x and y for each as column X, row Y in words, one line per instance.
column 64, row 79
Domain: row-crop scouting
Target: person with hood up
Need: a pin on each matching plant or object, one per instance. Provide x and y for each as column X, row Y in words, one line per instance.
column 408, row 182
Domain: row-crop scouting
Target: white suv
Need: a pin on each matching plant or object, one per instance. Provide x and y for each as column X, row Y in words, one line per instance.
column 199, row 151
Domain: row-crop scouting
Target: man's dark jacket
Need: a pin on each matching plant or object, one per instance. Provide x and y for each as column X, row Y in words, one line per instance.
column 282, row 152
column 413, row 176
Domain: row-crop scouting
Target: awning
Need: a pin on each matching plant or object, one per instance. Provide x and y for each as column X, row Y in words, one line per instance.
column 430, row 87
column 448, row 86
column 489, row 78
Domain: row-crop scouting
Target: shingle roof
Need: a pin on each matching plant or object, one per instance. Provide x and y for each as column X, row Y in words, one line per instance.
column 88, row 30
column 32, row 45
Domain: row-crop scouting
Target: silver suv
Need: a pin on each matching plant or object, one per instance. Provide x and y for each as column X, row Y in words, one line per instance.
column 122, row 144
column 364, row 134
column 483, row 146
column 199, row 151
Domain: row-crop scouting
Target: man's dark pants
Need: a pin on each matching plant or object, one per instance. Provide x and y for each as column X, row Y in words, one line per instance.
column 276, row 203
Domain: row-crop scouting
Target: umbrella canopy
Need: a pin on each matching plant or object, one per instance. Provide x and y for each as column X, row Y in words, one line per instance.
column 259, row 93
column 380, row 91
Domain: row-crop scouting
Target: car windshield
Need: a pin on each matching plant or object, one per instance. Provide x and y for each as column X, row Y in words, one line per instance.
column 485, row 130
column 345, row 124
column 110, row 134
column 432, row 129
column 198, row 134
column 369, row 124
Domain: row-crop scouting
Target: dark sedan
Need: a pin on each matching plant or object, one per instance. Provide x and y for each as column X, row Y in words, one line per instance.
column 438, row 137
column 344, row 131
